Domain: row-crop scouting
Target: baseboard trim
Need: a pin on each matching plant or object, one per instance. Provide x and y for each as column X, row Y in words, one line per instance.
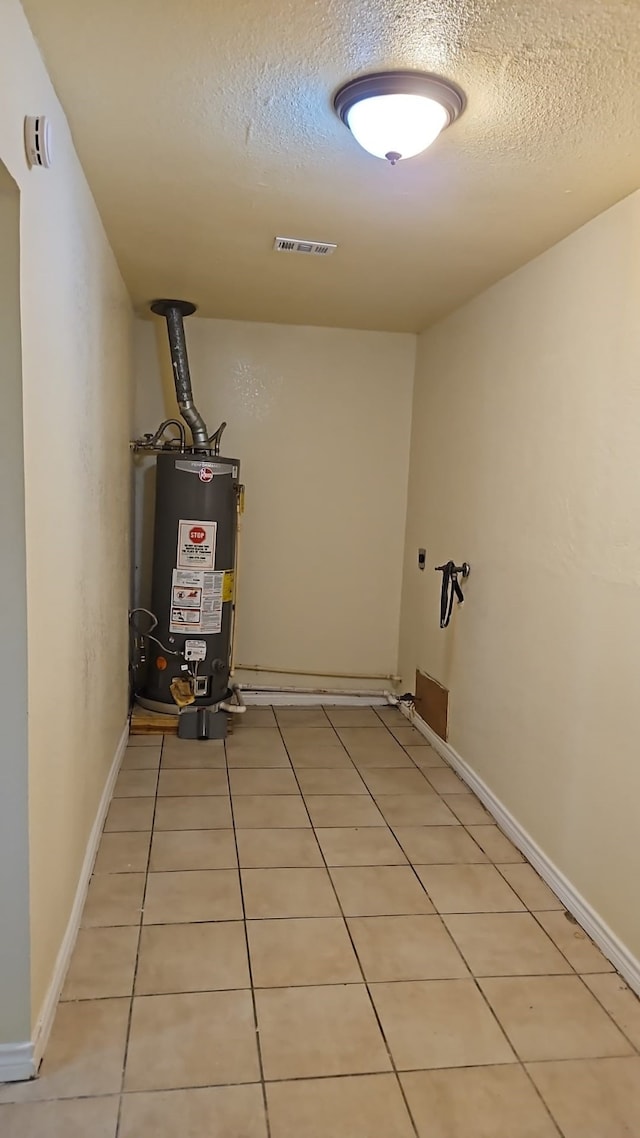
column 44, row 1022
column 309, row 699
column 16, row 1062
column 613, row 948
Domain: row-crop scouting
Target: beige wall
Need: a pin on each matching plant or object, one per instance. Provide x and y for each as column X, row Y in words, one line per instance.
column 526, row 437
column 14, row 838
column 76, row 323
column 320, row 418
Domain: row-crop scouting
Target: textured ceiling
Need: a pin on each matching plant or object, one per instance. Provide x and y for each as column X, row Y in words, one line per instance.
column 206, row 129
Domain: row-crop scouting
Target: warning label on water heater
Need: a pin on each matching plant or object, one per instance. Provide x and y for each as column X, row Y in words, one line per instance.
column 196, row 601
column 196, row 545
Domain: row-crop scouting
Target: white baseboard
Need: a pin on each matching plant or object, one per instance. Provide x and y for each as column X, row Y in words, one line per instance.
column 613, row 948
column 16, row 1062
column 308, row 699
column 47, row 1012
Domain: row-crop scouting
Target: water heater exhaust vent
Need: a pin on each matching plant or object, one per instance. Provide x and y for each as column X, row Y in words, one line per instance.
column 295, row 245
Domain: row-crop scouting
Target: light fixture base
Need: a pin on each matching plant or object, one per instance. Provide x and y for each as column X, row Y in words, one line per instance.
column 400, row 83
column 363, row 106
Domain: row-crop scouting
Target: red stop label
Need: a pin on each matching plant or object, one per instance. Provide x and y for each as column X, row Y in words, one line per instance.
column 197, row 535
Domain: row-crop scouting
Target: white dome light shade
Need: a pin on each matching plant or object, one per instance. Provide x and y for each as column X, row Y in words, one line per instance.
column 398, row 114
column 402, row 125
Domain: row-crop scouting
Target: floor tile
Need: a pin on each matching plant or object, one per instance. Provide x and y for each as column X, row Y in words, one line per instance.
column 129, row 814
column 446, row 782
column 405, row 948
column 530, row 888
column 258, row 781
column 573, row 941
column 468, row 889
column 317, row 754
column 290, row 953
column 71, row 1118
column 288, row 893
column 505, row 944
column 192, row 958
column 260, row 738
column 495, row 844
column 84, row 1056
column 144, row 740
column 141, row 758
column 321, row 736
column 114, row 899
column 256, row 748
column 390, row 755
column 381, row 890
column 135, row 784
column 328, row 1030
column 181, row 783
column 353, row 717
column 179, row 754
column 621, row 1003
column 396, row 780
column 102, row 964
column 206, row 1112
column 269, row 811
column 331, row 781
column 439, row 1023
column 358, row 1106
column 361, row 742
column 415, row 810
column 476, row 1102
column 301, row 717
column 468, row 809
column 278, row 849
column 190, row 1040
column 553, row 1017
column 368, row 845
column 438, row 845
column 598, row 1098
column 123, row 852
column 195, row 895
column 241, row 756
column 425, row 757
column 390, row 715
column 407, row 735
column 193, row 849
column 191, row 813
column 344, row 810
column 252, row 717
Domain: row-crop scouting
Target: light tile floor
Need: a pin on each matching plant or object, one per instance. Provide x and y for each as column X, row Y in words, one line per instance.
column 316, row 931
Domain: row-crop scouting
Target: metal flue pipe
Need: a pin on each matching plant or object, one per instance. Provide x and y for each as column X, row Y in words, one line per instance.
column 174, row 312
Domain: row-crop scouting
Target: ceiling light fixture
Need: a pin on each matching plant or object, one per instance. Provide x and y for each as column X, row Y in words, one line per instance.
column 397, row 114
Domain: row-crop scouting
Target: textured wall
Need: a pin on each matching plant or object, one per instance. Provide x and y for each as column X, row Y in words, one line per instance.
column 526, row 431
column 320, row 418
column 14, row 838
column 76, row 323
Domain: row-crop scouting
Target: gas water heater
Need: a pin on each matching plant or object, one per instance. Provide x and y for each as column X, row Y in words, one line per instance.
column 187, row 640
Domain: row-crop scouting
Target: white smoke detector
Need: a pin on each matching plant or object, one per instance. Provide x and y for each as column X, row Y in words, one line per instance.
column 37, row 140
column 296, row 245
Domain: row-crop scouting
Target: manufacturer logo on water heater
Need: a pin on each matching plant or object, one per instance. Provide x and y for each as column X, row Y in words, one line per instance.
column 205, row 474
column 197, row 535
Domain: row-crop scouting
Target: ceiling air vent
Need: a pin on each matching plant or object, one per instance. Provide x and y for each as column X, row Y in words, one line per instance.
column 294, row 245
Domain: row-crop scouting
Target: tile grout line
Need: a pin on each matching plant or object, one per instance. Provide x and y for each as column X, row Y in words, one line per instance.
column 140, row 926
column 475, row 979
column 355, row 951
column 249, row 964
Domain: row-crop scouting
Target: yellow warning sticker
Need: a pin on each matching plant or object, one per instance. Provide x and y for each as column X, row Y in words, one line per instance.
column 228, row 585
